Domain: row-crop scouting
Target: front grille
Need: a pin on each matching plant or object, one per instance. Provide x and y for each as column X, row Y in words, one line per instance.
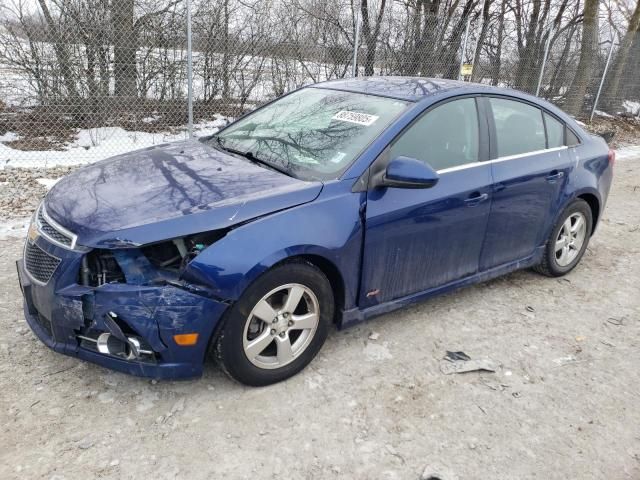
column 50, row 231
column 39, row 263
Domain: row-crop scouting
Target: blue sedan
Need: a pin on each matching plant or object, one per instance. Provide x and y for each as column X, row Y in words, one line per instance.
column 330, row 205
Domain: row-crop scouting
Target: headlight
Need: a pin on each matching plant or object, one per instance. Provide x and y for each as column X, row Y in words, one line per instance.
column 176, row 254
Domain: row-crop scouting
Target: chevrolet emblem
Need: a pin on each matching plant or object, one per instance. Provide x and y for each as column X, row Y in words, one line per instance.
column 32, row 234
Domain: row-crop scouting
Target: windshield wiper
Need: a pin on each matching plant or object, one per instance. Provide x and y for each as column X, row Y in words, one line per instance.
column 249, row 155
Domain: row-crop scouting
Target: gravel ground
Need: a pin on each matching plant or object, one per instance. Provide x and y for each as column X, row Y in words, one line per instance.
column 563, row 403
column 20, row 191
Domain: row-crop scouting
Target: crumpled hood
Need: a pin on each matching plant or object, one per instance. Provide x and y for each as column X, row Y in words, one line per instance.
column 169, row 191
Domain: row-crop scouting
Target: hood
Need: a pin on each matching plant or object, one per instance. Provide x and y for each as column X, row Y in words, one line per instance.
column 169, row 191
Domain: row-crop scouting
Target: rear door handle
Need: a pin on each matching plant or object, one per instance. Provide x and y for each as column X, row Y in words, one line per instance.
column 554, row 175
column 476, row 198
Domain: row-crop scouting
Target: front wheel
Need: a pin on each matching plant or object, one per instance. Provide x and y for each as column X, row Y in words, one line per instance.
column 277, row 326
column 568, row 240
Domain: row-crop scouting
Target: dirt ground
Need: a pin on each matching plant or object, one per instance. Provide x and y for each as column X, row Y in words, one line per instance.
column 563, row 403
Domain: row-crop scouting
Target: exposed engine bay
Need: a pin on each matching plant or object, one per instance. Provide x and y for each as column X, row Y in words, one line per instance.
column 100, row 266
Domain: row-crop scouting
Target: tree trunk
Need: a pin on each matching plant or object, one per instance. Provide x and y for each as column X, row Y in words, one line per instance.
column 611, row 96
column 370, row 34
column 528, row 58
column 496, row 60
column 125, row 48
column 475, row 75
column 631, row 88
column 60, row 47
column 450, row 63
column 575, row 97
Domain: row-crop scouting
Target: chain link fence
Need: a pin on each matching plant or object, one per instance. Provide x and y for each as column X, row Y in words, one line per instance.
column 82, row 80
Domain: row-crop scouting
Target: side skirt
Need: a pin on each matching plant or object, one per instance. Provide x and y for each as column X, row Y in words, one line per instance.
column 355, row 315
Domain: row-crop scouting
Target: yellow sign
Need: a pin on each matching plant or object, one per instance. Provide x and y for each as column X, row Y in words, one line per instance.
column 467, row 68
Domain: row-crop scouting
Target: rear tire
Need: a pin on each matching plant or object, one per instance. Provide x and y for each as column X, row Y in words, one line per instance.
column 277, row 326
column 568, row 240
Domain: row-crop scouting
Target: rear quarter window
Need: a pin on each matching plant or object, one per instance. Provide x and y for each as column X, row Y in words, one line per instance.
column 572, row 138
column 555, row 131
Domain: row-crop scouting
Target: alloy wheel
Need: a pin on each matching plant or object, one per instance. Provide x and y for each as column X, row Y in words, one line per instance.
column 281, row 326
column 570, row 239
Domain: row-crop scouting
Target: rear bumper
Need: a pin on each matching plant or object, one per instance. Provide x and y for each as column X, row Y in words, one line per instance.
column 154, row 313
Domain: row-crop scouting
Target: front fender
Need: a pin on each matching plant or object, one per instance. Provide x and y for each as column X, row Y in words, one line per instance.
column 328, row 227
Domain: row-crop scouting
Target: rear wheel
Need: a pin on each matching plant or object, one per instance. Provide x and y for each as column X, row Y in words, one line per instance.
column 278, row 325
column 568, row 240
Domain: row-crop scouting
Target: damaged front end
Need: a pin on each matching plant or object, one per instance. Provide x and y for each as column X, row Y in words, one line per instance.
column 129, row 309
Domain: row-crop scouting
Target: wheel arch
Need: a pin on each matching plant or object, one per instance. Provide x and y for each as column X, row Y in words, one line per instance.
column 330, row 270
column 594, row 204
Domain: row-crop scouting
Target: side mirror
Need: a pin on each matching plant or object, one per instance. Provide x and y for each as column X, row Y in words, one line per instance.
column 405, row 172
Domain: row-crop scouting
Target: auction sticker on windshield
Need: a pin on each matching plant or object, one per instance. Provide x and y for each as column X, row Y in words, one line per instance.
column 356, row 117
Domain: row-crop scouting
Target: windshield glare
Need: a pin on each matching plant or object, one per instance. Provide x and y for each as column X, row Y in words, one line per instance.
column 312, row 133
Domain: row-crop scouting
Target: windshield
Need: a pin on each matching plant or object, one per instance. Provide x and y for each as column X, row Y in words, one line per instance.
column 312, row 133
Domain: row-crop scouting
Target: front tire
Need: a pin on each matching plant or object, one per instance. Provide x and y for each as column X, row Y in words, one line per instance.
column 568, row 240
column 277, row 326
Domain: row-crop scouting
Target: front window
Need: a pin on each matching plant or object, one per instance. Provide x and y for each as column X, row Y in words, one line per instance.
column 312, row 134
column 444, row 137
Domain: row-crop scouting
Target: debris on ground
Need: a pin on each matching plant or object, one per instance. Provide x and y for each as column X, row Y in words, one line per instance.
column 564, row 360
column 453, row 356
column 615, row 321
column 460, row 362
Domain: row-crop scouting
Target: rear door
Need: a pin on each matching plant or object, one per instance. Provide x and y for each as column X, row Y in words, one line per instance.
column 530, row 168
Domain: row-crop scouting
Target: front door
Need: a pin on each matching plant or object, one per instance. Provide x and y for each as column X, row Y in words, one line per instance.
column 417, row 239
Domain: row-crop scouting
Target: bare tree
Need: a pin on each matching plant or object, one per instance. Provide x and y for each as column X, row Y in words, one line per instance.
column 575, row 98
column 60, row 46
column 371, row 23
column 613, row 83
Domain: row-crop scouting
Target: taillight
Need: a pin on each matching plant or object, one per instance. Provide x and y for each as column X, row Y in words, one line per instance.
column 612, row 157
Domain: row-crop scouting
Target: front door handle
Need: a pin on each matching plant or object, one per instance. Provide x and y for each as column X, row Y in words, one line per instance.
column 554, row 175
column 476, row 198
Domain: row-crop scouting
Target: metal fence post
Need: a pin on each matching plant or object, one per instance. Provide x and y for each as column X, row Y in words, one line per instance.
column 604, row 74
column 356, row 43
column 544, row 60
column 464, row 48
column 189, row 72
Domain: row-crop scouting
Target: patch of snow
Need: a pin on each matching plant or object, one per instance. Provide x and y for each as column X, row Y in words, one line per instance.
column 94, row 144
column 631, row 107
column 151, row 119
column 628, row 152
column 580, row 123
column 14, row 228
column 47, row 182
column 600, row 113
column 9, row 137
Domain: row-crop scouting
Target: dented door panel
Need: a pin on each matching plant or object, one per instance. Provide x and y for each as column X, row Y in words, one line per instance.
column 420, row 239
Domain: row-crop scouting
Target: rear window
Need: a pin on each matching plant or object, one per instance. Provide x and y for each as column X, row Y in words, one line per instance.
column 519, row 127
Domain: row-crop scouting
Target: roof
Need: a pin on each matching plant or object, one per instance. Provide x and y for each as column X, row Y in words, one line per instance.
column 403, row 88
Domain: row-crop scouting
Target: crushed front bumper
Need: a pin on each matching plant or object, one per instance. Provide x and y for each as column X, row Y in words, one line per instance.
column 57, row 314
